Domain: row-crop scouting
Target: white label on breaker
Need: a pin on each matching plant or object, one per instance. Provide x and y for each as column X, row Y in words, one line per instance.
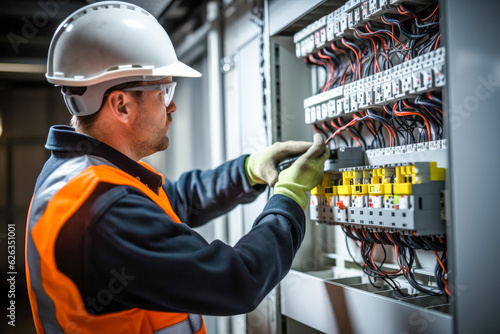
column 376, row 202
column 403, row 202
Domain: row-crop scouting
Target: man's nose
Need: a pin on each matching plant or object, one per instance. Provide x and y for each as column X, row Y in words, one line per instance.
column 171, row 107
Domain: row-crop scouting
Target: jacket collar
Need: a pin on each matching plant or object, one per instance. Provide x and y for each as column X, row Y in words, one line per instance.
column 65, row 142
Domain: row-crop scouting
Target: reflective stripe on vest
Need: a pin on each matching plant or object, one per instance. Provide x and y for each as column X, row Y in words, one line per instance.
column 55, row 300
column 192, row 324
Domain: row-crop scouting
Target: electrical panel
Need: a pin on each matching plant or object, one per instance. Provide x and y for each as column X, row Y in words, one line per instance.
column 393, row 241
column 379, row 71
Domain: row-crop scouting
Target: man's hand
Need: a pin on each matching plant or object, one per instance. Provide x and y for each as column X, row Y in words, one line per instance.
column 304, row 174
column 261, row 167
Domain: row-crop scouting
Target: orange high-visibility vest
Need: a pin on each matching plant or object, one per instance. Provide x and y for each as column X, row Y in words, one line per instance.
column 56, row 302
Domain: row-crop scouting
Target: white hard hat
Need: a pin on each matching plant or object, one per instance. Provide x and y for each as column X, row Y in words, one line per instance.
column 105, row 44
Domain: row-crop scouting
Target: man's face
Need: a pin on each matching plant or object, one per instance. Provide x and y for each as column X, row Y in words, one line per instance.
column 151, row 121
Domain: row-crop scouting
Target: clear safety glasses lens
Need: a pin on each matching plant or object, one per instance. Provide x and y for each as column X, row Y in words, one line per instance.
column 168, row 94
column 168, row 90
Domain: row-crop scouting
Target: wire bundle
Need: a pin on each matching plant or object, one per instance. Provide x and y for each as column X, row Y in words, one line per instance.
column 378, row 46
column 375, row 47
column 408, row 121
column 405, row 247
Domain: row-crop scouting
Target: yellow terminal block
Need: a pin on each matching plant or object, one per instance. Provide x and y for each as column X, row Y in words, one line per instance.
column 377, row 188
column 326, row 190
column 405, row 177
column 437, row 174
column 344, row 190
column 416, row 174
column 389, row 174
column 330, row 183
column 358, row 188
column 389, row 177
column 347, row 179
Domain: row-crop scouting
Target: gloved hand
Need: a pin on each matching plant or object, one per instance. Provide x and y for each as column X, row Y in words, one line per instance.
column 261, row 167
column 304, row 174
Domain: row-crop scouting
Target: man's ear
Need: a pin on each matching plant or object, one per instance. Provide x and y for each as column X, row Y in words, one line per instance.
column 120, row 105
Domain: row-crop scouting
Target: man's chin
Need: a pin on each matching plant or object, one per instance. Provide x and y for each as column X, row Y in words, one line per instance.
column 164, row 144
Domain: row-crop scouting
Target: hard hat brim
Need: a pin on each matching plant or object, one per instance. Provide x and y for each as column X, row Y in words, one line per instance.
column 177, row 69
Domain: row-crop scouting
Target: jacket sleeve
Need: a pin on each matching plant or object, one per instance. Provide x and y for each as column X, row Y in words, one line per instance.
column 157, row 264
column 199, row 196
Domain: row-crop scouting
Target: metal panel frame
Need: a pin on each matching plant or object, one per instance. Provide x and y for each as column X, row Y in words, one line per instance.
column 285, row 12
column 472, row 95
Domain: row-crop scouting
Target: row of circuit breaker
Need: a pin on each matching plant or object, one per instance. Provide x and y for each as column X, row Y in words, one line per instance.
column 405, row 197
column 410, row 148
column 341, row 22
column 415, row 76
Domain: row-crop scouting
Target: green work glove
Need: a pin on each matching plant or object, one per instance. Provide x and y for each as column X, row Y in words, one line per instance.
column 261, row 167
column 304, row 174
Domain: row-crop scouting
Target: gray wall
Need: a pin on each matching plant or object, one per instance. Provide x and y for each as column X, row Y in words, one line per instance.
column 27, row 112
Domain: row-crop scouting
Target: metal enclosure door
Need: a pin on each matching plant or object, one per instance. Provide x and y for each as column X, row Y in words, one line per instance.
column 473, row 70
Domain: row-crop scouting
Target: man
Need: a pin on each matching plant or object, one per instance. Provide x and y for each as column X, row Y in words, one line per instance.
column 110, row 246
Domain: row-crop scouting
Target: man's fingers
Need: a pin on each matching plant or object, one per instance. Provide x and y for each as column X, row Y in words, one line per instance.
column 325, row 155
column 291, row 148
column 317, row 149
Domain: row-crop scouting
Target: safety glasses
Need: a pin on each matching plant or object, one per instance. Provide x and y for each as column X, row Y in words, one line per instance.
column 167, row 88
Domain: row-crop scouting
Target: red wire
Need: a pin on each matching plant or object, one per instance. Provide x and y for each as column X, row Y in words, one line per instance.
column 446, row 288
column 443, row 113
column 428, row 112
column 330, row 66
column 374, row 50
column 343, row 78
column 404, row 12
column 373, row 261
column 340, row 129
column 369, row 124
column 343, row 51
column 390, row 130
column 406, row 113
column 394, row 38
column 392, row 26
column 353, row 137
column 437, row 41
column 440, row 263
column 316, row 129
column 390, row 134
column 312, row 60
column 350, row 133
column 430, row 98
column 428, row 17
column 384, row 45
column 325, row 127
column 358, row 57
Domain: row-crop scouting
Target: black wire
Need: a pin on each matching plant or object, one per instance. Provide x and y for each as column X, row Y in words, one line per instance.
column 349, row 251
column 320, row 131
column 348, row 232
